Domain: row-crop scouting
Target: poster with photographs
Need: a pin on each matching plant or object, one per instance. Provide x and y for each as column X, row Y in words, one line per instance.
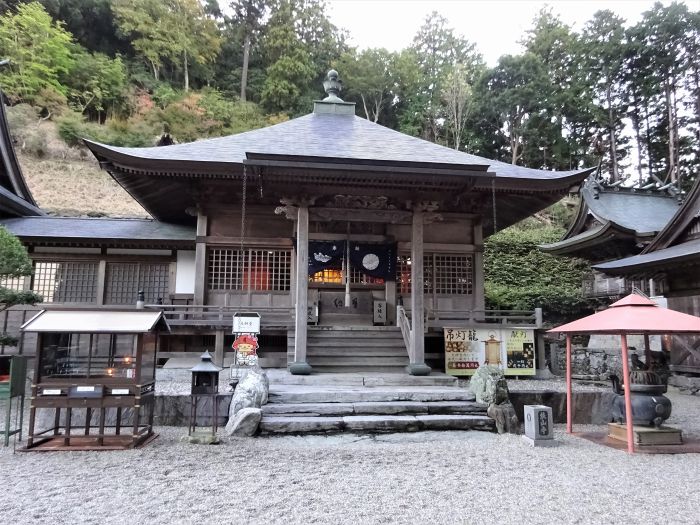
column 466, row 349
column 520, row 351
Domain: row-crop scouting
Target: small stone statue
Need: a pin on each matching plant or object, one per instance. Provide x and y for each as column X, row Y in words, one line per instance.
column 489, row 386
column 250, row 394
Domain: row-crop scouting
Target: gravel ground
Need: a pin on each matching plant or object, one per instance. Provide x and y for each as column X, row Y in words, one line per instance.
column 431, row 477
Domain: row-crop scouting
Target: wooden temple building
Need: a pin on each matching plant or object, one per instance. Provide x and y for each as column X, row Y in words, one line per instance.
column 672, row 257
column 356, row 244
column 613, row 222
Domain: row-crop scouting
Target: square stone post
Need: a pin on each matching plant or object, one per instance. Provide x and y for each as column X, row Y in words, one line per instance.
column 417, row 366
column 300, row 366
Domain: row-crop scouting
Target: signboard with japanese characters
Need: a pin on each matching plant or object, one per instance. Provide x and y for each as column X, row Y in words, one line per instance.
column 466, row 349
column 246, row 323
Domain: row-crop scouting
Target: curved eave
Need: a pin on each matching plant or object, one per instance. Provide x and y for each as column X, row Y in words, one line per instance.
column 582, row 244
column 12, row 167
column 682, row 254
column 11, row 204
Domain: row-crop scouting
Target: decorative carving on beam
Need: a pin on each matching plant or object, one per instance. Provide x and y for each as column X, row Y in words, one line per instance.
column 354, row 215
column 289, row 211
column 362, row 202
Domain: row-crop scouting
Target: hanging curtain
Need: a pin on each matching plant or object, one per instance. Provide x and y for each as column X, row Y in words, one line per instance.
column 375, row 260
column 325, row 254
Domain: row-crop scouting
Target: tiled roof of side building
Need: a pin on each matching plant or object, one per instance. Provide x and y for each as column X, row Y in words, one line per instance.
column 97, row 228
column 675, row 254
column 326, row 136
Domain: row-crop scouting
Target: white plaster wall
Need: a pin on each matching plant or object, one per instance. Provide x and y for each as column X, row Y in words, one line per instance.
column 184, row 272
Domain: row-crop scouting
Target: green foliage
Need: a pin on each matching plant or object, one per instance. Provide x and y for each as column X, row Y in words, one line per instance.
column 39, row 51
column 519, row 276
column 97, row 84
column 73, row 127
column 14, row 260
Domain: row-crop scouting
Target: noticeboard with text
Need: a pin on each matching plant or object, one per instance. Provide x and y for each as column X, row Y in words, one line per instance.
column 512, row 349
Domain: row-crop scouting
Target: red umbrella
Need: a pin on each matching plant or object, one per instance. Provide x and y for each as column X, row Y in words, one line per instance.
column 633, row 314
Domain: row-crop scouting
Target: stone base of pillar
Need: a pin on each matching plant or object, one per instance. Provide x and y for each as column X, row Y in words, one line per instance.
column 300, row 369
column 418, row 369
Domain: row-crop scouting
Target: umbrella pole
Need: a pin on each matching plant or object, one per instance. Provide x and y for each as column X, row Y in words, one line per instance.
column 569, row 415
column 628, row 397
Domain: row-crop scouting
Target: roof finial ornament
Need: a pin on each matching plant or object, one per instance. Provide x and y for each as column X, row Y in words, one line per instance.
column 333, row 86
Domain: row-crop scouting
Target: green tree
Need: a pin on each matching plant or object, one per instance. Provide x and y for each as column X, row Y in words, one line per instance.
column 14, row 263
column 367, row 78
column 97, row 84
column 91, row 22
column 39, row 51
column 248, row 14
column 175, row 31
column 438, row 50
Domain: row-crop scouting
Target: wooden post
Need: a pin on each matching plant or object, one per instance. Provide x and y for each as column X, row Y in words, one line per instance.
column 479, row 300
column 219, row 348
column 417, row 366
column 200, row 260
column 647, row 351
column 569, row 404
column 628, row 396
column 300, row 366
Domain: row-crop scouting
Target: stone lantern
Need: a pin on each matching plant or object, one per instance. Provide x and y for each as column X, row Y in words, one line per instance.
column 205, row 390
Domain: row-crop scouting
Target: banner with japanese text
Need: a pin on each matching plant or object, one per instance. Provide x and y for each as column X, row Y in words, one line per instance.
column 512, row 349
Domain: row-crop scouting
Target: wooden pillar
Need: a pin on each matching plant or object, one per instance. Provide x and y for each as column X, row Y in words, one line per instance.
column 417, row 366
column 390, row 297
column 219, row 348
column 479, row 293
column 300, row 366
column 102, row 282
column 200, row 260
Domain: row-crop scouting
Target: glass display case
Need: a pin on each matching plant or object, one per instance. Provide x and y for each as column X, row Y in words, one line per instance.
column 94, row 369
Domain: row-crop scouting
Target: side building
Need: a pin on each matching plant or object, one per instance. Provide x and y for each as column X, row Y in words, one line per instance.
column 614, row 222
column 674, row 258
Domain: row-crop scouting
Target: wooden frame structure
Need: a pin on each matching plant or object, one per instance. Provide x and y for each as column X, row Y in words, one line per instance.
column 76, row 372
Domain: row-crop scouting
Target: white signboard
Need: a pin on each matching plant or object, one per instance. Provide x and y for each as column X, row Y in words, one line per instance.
column 246, row 323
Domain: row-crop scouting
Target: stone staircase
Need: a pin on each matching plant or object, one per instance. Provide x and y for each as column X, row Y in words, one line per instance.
column 353, row 348
column 321, row 409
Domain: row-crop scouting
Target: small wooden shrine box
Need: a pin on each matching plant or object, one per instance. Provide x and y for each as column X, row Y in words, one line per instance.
column 96, row 370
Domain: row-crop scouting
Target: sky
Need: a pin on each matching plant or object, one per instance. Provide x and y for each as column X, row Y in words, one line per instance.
column 495, row 26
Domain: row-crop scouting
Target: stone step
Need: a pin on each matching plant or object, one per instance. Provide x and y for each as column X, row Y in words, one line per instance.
column 353, row 360
column 359, row 369
column 370, row 407
column 373, row 378
column 372, row 424
column 320, row 394
column 333, row 351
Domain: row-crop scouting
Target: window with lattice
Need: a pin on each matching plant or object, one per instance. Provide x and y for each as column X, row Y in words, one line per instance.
column 249, row 269
column 442, row 274
column 126, row 279
column 65, row 281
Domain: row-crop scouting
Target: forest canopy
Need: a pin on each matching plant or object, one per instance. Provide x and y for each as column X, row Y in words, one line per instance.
column 125, row 71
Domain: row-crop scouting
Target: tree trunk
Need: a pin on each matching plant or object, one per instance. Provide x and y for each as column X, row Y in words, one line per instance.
column 671, row 176
column 244, row 71
column 155, row 70
column 187, row 73
column 613, row 141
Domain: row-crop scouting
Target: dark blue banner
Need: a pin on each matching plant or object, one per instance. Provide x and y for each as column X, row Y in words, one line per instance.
column 375, row 260
column 325, row 254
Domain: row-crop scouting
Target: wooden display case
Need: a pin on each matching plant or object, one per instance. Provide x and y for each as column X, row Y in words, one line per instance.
column 95, row 378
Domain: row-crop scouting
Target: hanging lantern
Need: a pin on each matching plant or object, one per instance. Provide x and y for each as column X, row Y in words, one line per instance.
column 493, row 350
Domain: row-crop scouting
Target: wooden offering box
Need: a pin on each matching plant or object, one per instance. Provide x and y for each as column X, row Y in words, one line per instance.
column 95, row 373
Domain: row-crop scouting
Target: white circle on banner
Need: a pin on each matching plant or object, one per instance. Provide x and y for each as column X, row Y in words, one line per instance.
column 370, row 261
